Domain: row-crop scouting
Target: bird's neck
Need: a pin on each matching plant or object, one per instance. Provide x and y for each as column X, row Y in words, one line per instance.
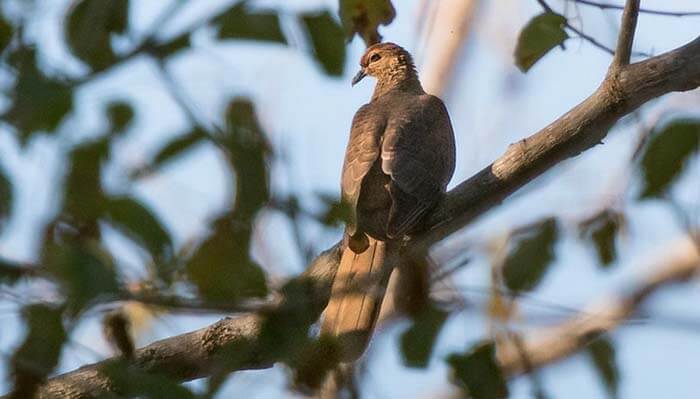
column 403, row 78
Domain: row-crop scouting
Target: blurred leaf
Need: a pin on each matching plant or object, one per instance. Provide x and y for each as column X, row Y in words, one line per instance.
column 337, row 213
column 602, row 353
column 84, row 199
column 120, row 116
column 90, row 26
column 478, row 373
column 529, row 260
column 40, row 350
column 364, row 17
column 171, row 47
column 177, row 147
column 83, row 269
column 10, row 272
column 6, row 198
column 417, row 341
column 328, row 41
column 131, row 382
column 602, row 230
column 38, row 102
column 6, row 32
column 541, row 34
column 668, row 151
column 139, row 223
column 314, row 362
column 241, row 23
column 222, row 268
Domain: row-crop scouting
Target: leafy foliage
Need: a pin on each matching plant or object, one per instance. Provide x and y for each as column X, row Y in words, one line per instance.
column 363, row 17
column 336, row 212
column 83, row 189
column 478, row 373
column 40, row 350
column 528, row 262
column 90, row 26
column 242, row 23
column 10, row 272
column 38, row 102
column 327, row 40
column 177, row 147
column 6, row 32
column 602, row 354
column 221, row 266
column 5, row 197
column 668, row 151
column 120, row 115
column 602, row 230
column 131, row 382
column 541, row 34
column 417, row 341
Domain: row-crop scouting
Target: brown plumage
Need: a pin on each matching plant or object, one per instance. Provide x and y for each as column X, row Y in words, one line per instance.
column 399, row 159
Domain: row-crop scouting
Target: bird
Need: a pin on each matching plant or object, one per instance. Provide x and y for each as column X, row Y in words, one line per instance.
column 398, row 162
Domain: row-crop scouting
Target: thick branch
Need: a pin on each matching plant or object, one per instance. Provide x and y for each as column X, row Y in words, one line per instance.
column 677, row 264
column 194, row 355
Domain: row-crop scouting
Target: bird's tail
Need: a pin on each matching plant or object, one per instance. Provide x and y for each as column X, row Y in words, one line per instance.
column 356, row 296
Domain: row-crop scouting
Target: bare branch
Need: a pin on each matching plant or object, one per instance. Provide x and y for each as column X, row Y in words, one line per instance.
column 608, row 6
column 675, row 264
column 625, row 39
column 196, row 354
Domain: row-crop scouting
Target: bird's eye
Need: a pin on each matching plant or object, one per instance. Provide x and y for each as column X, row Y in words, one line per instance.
column 374, row 58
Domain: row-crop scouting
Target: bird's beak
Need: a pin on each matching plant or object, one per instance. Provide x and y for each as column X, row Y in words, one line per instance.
column 360, row 75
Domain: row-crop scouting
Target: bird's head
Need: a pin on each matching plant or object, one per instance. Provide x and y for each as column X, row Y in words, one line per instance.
column 384, row 60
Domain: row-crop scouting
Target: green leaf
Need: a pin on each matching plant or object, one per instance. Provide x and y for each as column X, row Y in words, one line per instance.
column 327, row 40
column 529, row 260
column 418, row 340
column 602, row 230
column 478, row 373
column 602, row 354
column 313, row 364
column 38, row 102
column 666, row 155
column 337, row 212
column 541, row 34
column 40, row 350
column 6, row 32
column 139, row 223
column 221, row 267
column 120, row 116
column 6, row 198
column 84, row 199
column 90, row 26
column 83, row 269
column 178, row 147
column 241, row 23
column 131, row 382
column 364, row 17
column 171, row 47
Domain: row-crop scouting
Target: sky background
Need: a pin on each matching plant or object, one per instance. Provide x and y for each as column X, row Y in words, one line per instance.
column 307, row 116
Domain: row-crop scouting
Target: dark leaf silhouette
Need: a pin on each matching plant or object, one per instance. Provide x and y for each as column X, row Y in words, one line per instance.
column 10, row 272
column 529, row 259
column 478, row 373
column 6, row 31
column 336, row 212
column 668, row 151
column 120, row 116
column 327, row 40
column 40, row 350
column 240, row 22
column 417, row 341
column 84, row 199
column 39, row 103
column 602, row 354
column 601, row 230
column 90, row 26
column 177, row 147
column 131, row 382
column 541, row 34
column 364, row 17
column 6, row 197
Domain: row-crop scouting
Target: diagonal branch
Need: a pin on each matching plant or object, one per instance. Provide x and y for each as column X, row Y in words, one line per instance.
column 198, row 354
column 623, row 52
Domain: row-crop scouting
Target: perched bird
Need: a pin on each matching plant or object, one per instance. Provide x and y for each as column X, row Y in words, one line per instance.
column 399, row 159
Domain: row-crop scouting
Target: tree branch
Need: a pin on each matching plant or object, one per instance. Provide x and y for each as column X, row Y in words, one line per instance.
column 623, row 52
column 678, row 263
column 196, row 354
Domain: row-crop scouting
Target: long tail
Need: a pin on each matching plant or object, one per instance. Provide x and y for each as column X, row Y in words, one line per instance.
column 356, row 296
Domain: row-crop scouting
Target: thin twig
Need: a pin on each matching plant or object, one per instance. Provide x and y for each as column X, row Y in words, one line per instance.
column 625, row 40
column 608, row 6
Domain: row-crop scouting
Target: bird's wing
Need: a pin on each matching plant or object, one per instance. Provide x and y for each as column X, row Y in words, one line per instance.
column 418, row 152
column 362, row 151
